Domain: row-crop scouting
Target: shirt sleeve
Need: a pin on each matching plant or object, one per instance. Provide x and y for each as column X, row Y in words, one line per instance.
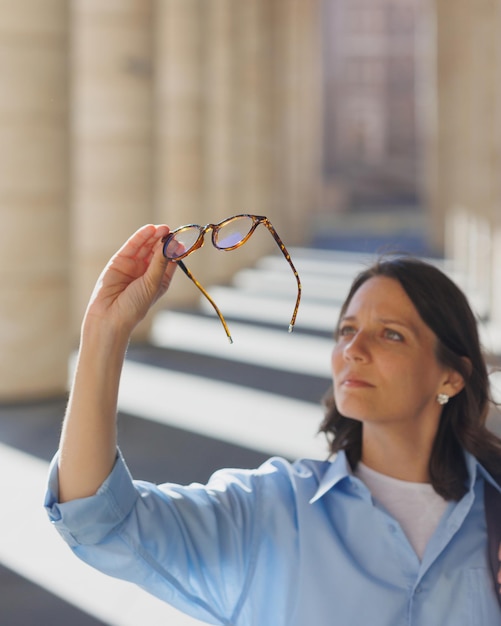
column 87, row 521
column 193, row 546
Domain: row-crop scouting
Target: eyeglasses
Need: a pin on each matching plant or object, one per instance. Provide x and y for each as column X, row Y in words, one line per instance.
column 228, row 235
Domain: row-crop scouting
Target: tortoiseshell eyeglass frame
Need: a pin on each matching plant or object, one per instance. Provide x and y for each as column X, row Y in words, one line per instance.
column 176, row 251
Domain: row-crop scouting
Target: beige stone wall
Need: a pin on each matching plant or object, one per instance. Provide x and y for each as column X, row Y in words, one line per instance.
column 34, row 300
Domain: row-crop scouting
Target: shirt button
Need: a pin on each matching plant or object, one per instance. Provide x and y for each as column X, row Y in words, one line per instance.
column 393, row 528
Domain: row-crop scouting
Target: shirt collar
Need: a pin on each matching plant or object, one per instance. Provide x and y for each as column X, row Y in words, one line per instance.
column 340, row 469
column 476, row 469
column 480, row 469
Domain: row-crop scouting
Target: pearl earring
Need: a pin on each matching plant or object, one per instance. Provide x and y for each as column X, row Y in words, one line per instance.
column 442, row 398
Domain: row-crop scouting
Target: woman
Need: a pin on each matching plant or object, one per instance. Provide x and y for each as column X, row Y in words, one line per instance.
column 391, row 531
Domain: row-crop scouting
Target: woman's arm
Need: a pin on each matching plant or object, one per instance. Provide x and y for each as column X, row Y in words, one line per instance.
column 134, row 279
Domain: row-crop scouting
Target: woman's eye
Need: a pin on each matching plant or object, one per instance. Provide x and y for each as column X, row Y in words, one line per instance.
column 393, row 335
column 346, row 331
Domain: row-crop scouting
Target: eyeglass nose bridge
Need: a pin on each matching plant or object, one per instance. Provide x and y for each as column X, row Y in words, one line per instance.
column 214, row 228
column 201, row 237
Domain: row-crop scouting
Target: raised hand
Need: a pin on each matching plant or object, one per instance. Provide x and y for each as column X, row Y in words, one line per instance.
column 135, row 277
column 133, row 280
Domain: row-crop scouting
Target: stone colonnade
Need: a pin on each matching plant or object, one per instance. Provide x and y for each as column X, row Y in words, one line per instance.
column 115, row 114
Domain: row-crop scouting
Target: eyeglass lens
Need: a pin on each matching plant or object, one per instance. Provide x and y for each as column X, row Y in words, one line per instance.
column 232, row 232
column 180, row 242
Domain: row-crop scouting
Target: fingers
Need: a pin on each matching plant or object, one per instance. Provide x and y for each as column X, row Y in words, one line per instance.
column 145, row 249
column 141, row 243
column 139, row 265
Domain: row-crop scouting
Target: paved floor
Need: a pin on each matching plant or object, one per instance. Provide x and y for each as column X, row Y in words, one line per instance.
column 33, row 428
column 26, row 604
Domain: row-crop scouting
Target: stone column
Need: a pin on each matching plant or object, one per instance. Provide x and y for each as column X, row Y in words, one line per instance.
column 253, row 111
column 178, row 131
column 297, row 91
column 448, row 138
column 427, row 125
column 34, row 338
column 484, row 154
column 220, row 129
column 112, row 111
column 467, row 149
column 218, row 84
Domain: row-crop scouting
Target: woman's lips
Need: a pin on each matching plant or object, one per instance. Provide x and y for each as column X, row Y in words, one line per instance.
column 354, row 383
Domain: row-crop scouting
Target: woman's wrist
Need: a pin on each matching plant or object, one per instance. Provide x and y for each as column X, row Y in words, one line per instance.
column 104, row 333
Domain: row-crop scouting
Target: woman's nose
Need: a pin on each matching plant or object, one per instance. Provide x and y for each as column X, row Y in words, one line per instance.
column 357, row 348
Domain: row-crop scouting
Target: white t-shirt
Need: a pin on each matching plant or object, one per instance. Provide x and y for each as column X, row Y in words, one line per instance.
column 416, row 506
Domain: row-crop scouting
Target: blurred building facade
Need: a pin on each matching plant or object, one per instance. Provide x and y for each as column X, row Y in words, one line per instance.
column 371, row 138
column 114, row 114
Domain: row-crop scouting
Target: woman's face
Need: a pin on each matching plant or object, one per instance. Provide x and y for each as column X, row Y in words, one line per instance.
column 384, row 366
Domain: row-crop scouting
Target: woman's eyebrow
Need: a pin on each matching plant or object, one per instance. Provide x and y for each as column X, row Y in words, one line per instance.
column 400, row 322
column 348, row 318
column 386, row 320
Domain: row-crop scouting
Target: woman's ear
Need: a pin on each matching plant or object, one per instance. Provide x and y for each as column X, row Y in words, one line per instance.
column 455, row 381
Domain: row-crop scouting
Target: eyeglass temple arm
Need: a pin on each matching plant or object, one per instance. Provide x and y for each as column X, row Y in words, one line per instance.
column 287, row 256
column 214, row 305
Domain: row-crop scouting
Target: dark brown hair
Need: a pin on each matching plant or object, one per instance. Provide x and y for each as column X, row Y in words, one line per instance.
column 445, row 310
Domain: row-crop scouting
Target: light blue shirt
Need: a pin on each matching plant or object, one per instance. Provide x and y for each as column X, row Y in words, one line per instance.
column 300, row 544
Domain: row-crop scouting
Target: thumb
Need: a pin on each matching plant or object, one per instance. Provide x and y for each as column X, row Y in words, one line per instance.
column 160, row 272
